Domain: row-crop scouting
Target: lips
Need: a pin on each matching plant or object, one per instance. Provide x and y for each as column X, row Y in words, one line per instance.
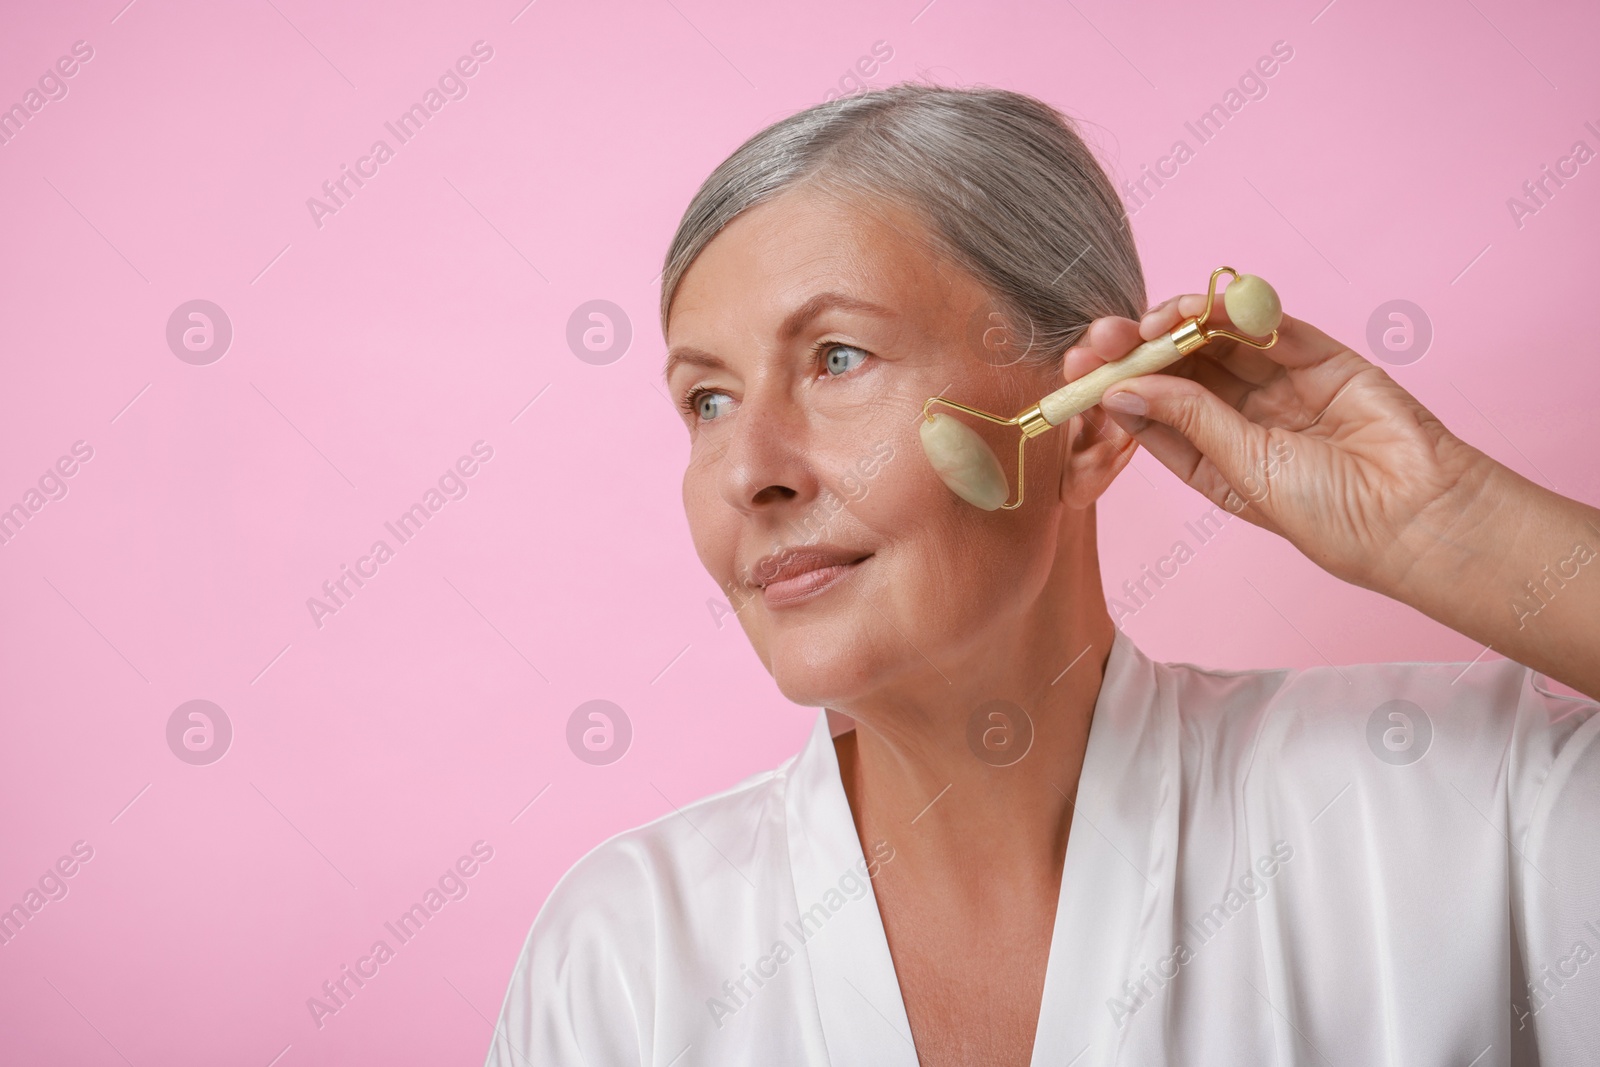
column 802, row 572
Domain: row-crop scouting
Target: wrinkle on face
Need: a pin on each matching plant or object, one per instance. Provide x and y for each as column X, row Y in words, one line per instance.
column 946, row 581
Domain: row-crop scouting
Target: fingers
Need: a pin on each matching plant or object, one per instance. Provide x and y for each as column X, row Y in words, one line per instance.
column 1184, row 423
column 1097, row 423
column 1167, row 314
column 1217, row 377
column 1233, row 371
column 1167, row 445
column 1079, row 361
column 1299, row 343
column 1173, row 310
column 1112, row 337
column 1107, row 339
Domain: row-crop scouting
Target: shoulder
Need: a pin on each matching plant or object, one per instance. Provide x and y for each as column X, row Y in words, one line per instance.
column 1497, row 716
column 613, row 893
column 1500, row 693
column 584, row 986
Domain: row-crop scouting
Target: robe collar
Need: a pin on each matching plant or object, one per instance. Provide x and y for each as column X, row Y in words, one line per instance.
column 1115, row 910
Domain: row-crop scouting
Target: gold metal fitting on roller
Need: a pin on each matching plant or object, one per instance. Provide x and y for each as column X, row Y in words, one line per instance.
column 1188, row 336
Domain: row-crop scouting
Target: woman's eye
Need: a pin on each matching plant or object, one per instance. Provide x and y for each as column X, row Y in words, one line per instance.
column 709, row 405
column 706, row 404
column 842, row 358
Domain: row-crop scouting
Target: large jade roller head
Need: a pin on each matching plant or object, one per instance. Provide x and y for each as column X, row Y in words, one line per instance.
column 965, row 463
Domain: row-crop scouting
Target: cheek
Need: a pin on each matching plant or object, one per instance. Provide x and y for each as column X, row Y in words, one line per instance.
column 937, row 545
column 960, row 564
column 712, row 524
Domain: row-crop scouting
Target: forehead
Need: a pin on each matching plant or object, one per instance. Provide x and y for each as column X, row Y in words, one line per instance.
column 776, row 255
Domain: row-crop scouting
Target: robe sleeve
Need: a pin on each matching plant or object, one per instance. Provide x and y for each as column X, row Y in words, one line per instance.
column 580, row 993
column 1553, row 833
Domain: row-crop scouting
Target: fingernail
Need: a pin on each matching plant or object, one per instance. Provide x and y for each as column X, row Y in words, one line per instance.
column 1128, row 403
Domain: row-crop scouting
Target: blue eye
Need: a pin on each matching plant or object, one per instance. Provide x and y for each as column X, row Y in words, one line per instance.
column 706, row 403
column 838, row 365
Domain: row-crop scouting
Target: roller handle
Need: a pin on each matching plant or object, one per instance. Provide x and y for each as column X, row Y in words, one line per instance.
column 1077, row 397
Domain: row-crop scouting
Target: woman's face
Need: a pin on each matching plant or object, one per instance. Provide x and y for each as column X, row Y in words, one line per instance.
column 809, row 332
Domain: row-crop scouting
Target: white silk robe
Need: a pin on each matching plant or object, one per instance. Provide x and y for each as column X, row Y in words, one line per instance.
column 1275, row 866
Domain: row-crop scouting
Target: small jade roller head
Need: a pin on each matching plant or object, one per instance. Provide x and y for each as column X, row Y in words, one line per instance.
column 1253, row 306
column 963, row 459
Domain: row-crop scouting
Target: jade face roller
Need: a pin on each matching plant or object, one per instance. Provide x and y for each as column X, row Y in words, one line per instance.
column 963, row 460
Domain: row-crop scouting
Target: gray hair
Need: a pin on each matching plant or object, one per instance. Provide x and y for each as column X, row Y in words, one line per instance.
column 1003, row 182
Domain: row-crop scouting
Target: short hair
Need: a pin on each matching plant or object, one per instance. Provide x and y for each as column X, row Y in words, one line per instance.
column 1003, row 182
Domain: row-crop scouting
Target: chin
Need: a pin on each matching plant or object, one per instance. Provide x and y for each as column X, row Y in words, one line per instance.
column 809, row 690
column 828, row 665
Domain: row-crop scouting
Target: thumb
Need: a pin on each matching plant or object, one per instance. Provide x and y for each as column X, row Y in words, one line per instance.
column 1180, row 422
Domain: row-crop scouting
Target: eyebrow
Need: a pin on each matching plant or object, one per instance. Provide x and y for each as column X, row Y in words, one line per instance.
column 791, row 325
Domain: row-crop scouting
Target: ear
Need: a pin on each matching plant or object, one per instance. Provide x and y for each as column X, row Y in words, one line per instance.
column 1094, row 449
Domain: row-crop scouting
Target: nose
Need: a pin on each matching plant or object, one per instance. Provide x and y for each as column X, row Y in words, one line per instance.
column 764, row 462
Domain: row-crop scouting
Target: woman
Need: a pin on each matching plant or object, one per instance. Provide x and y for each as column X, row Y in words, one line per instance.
column 1012, row 838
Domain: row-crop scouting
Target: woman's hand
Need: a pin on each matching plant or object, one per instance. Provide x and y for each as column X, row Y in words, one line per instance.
column 1310, row 440
column 1306, row 438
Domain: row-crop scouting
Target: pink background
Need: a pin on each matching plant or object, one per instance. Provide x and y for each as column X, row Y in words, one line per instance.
column 371, row 352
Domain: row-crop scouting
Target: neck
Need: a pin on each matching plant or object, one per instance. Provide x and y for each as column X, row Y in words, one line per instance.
column 972, row 810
